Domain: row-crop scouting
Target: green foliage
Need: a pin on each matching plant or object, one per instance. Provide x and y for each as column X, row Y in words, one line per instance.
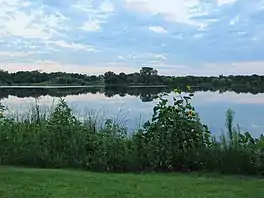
column 42, row 78
column 173, row 140
column 175, row 136
column 61, row 140
column 236, row 152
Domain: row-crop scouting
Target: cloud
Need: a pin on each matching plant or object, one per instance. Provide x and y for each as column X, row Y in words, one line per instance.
column 173, row 10
column 107, row 7
column 52, row 66
column 234, row 20
column 15, row 54
column 161, row 56
column 158, row 29
column 91, row 26
column 96, row 16
column 74, row 46
column 224, row 2
column 180, row 37
column 126, row 57
column 121, row 57
column 16, row 21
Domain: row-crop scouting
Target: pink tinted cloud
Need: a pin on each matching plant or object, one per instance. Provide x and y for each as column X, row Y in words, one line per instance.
column 50, row 66
column 207, row 69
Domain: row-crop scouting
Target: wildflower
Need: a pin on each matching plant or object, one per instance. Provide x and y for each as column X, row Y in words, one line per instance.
column 188, row 88
column 191, row 113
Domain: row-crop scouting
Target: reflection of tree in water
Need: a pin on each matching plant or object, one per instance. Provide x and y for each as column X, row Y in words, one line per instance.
column 147, row 97
column 122, row 94
column 146, row 94
column 54, row 92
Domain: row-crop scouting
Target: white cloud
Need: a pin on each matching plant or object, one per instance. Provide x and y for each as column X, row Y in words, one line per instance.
column 74, row 46
column 235, row 20
column 96, row 16
column 161, row 56
column 84, row 5
column 16, row 54
column 91, row 26
column 181, row 11
column 26, row 4
column 14, row 21
column 158, row 29
column 129, row 56
column 107, row 6
column 224, row 2
column 241, row 33
column 121, row 57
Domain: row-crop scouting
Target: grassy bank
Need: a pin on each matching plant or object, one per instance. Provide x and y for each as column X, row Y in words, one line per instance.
column 20, row 183
column 175, row 139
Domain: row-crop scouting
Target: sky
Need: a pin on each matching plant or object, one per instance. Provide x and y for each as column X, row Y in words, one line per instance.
column 176, row 37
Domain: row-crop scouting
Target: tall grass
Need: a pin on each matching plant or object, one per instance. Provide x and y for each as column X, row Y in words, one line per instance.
column 174, row 140
column 237, row 152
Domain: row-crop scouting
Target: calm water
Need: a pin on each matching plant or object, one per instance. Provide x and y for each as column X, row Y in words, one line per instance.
column 133, row 106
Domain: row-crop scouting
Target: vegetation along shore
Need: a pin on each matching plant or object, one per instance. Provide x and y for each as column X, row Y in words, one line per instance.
column 147, row 76
column 175, row 139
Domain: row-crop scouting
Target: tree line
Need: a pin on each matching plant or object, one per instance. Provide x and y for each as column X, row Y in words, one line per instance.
column 146, row 76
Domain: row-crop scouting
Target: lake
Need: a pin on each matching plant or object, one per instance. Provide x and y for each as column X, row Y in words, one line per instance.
column 132, row 106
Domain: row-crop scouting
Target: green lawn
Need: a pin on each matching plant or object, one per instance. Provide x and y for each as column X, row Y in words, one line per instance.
column 34, row 183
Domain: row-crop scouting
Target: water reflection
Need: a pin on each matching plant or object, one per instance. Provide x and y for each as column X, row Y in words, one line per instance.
column 132, row 106
column 146, row 94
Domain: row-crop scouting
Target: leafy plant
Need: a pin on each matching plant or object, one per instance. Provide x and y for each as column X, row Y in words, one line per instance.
column 175, row 134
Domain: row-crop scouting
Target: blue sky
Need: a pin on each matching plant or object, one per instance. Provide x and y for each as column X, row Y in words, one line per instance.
column 177, row 37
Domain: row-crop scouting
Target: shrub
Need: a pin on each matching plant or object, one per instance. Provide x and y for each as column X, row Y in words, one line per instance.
column 175, row 137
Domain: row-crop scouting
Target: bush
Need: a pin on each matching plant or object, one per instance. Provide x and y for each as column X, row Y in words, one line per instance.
column 175, row 137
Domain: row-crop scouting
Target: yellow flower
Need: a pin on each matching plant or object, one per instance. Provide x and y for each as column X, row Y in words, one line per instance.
column 188, row 88
column 191, row 113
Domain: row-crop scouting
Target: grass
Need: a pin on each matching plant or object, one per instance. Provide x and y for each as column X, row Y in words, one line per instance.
column 29, row 183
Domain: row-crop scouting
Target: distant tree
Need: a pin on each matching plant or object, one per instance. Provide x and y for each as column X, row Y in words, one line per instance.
column 111, row 78
column 123, row 77
column 148, row 71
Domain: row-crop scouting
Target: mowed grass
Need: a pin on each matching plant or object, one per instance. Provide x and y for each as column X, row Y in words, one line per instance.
column 33, row 183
